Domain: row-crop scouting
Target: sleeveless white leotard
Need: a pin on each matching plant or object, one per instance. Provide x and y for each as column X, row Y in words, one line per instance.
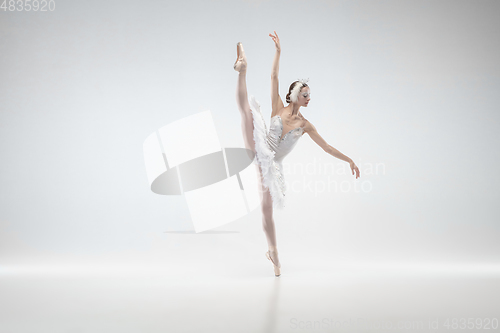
column 270, row 151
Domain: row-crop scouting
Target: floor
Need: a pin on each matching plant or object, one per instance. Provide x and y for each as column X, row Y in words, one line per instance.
column 215, row 290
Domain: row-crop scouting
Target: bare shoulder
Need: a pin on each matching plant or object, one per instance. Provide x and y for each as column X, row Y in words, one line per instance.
column 278, row 111
column 308, row 126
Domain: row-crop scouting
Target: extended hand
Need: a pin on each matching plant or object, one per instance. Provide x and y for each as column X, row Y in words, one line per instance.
column 354, row 168
column 276, row 40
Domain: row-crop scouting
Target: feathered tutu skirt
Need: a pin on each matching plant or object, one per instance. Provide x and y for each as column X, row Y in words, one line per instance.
column 271, row 170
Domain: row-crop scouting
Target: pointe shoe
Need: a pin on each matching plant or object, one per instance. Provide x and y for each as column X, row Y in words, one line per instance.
column 241, row 59
column 277, row 271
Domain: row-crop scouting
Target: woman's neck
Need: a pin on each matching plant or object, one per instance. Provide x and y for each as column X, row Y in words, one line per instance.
column 294, row 110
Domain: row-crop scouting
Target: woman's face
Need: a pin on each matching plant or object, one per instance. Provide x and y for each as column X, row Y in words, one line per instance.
column 304, row 96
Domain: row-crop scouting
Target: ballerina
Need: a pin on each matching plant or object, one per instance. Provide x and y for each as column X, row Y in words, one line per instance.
column 270, row 147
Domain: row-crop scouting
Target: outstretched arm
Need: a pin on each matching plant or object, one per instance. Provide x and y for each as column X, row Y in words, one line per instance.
column 276, row 101
column 313, row 133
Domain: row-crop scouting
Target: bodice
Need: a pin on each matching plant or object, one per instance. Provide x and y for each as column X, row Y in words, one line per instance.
column 287, row 142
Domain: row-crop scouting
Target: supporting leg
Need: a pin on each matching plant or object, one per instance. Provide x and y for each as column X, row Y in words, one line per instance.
column 268, row 224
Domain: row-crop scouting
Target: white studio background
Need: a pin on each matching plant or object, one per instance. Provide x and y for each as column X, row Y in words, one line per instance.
column 407, row 89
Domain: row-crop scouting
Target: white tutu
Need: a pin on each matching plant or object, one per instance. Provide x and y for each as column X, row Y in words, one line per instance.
column 272, row 170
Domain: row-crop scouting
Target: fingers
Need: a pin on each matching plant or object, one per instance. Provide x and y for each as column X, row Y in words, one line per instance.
column 274, row 39
column 355, row 169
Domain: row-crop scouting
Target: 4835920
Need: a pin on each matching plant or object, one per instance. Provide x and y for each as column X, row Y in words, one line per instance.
column 28, row 5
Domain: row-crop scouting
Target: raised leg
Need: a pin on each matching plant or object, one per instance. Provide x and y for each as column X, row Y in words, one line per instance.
column 246, row 113
column 242, row 98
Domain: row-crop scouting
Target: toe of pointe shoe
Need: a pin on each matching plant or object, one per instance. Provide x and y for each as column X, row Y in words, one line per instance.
column 239, row 48
column 241, row 62
column 277, row 269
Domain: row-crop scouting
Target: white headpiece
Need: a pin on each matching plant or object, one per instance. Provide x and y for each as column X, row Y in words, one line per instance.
column 294, row 95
